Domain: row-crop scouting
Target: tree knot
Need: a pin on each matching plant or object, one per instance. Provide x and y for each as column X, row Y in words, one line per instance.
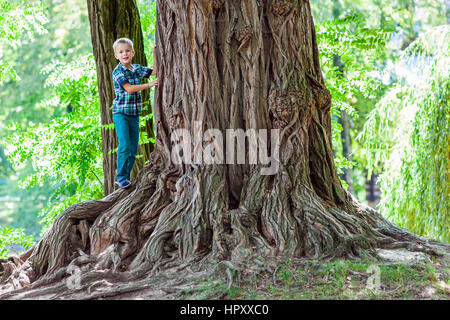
column 244, row 34
column 282, row 7
column 283, row 104
column 323, row 98
column 171, row 183
column 217, row 4
column 176, row 121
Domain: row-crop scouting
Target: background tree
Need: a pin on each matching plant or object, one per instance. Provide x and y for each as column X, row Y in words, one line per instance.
column 228, row 65
column 414, row 115
column 401, row 21
column 55, row 34
column 67, row 149
column 20, row 22
column 110, row 20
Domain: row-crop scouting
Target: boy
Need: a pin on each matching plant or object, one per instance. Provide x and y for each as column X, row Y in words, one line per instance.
column 127, row 107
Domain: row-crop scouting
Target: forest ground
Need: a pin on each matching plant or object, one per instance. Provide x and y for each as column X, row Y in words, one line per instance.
column 402, row 276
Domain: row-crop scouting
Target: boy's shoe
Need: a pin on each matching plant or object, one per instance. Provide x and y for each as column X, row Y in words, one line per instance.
column 123, row 183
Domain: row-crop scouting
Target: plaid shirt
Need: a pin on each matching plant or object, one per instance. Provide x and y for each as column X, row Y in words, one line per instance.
column 128, row 103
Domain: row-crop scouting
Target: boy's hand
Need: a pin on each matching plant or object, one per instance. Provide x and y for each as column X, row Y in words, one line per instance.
column 153, row 83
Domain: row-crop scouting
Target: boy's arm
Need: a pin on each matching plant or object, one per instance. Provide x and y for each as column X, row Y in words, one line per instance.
column 139, row 87
column 121, row 80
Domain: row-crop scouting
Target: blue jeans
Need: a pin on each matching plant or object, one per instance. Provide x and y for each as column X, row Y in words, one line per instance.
column 127, row 129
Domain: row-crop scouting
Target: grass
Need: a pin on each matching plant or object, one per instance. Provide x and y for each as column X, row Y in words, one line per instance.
column 334, row 280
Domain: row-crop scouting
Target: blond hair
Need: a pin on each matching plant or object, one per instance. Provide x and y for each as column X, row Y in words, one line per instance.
column 123, row 40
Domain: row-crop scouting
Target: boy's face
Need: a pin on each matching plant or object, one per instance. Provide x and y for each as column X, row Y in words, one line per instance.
column 124, row 53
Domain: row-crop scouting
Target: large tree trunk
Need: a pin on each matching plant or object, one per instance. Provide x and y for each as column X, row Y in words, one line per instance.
column 110, row 20
column 221, row 65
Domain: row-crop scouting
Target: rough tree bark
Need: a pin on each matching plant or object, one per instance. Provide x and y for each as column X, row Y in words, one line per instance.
column 110, row 20
column 226, row 65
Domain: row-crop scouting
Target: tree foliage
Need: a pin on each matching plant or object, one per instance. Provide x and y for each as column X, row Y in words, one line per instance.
column 19, row 19
column 13, row 236
column 358, row 46
column 57, row 32
column 65, row 150
column 408, row 134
